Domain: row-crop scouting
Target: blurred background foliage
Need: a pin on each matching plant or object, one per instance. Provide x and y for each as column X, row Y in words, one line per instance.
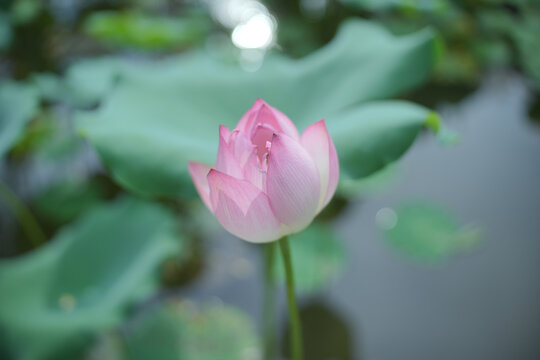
column 102, row 103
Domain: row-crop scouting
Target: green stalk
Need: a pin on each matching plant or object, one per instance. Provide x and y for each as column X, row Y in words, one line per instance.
column 294, row 316
column 27, row 221
column 269, row 321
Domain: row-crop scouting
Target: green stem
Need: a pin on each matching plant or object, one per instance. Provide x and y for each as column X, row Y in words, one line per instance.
column 294, row 317
column 27, row 221
column 269, row 322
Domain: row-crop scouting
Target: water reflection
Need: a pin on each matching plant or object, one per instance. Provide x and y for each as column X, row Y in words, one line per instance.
column 326, row 334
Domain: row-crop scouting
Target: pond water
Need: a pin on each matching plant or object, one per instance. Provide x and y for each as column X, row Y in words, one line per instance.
column 481, row 305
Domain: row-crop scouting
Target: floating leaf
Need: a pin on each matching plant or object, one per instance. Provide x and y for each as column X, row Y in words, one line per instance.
column 181, row 331
column 426, row 232
column 318, row 257
column 18, row 104
column 144, row 31
column 57, row 297
column 161, row 115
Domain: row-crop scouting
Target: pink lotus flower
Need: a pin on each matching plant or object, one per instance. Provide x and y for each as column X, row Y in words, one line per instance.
column 268, row 181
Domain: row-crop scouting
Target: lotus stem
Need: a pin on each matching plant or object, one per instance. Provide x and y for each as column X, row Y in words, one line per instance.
column 294, row 317
column 269, row 322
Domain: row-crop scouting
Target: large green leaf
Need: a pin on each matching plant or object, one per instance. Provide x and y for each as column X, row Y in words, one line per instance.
column 18, row 103
column 181, row 331
column 163, row 114
column 55, row 298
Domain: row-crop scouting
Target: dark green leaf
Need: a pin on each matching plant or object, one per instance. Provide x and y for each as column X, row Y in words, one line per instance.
column 82, row 282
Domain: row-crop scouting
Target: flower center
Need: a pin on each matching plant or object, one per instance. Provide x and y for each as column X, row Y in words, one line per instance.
column 262, row 139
